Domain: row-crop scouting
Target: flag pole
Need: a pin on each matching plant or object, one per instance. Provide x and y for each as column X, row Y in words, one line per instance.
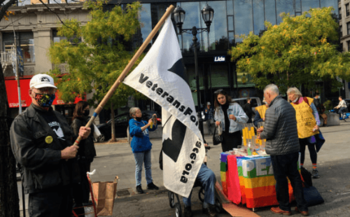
column 127, row 68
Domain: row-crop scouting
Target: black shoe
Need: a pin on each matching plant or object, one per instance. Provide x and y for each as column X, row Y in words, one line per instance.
column 188, row 212
column 211, row 210
column 152, row 186
column 139, row 189
column 315, row 173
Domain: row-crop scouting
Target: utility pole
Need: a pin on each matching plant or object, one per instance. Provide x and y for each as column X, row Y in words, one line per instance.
column 19, row 108
column 17, row 75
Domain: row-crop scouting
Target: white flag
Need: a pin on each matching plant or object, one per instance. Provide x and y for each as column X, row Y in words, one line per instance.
column 161, row 77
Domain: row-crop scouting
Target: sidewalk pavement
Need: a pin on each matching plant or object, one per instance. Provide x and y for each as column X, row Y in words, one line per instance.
column 117, row 159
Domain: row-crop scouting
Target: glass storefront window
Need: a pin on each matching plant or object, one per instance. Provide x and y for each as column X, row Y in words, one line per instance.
column 298, row 5
column 231, row 38
column 243, row 18
column 286, row 6
column 244, row 80
column 229, row 7
column 258, row 13
column 218, row 30
column 307, row 4
column 204, row 43
column 230, row 23
column 191, row 78
column 270, row 11
column 25, row 40
column 219, row 76
column 192, row 19
column 145, row 21
column 330, row 3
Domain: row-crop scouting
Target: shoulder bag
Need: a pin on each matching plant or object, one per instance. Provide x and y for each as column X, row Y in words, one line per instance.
column 217, row 138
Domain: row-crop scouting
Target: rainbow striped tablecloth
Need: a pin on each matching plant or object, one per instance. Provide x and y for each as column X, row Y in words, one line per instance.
column 249, row 181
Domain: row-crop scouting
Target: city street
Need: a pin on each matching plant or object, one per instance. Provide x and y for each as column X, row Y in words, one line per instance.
column 117, row 159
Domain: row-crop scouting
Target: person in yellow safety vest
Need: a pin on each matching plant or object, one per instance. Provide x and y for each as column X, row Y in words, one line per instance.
column 308, row 122
column 260, row 113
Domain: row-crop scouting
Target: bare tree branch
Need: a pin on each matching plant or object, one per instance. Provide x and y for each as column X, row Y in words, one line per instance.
column 55, row 13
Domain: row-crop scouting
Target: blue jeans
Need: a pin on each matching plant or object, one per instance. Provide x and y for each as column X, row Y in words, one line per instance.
column 207, row 178
column 286, row 166
column 341, row 111
column 140, row 158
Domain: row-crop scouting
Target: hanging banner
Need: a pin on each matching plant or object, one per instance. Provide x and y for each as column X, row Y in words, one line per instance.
column 20, row 61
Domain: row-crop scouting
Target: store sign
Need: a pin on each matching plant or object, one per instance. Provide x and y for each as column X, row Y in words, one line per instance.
column 219, row 59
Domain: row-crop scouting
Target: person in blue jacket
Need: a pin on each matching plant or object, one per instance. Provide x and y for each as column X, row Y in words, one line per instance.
column 141, row 147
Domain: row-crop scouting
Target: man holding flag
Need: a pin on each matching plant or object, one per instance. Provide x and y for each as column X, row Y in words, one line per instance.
column 161, row 77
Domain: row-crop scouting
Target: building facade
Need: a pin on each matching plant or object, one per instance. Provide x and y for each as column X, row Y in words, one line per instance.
column 36, row 30
column 232, row 18
column 344, row 27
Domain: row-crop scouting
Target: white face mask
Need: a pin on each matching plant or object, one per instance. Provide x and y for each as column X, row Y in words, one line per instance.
column 296, row 99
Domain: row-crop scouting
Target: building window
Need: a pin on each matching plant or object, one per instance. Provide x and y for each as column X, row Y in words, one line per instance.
column 244, row 80
column 348, row 43
column 340, row 31
column 339, row 13
column 306, row 5
column 25, row 41
column 347, row 9
column 145, row 22
column 57, row 38
column 286, row 6
column 270, row 11
column 341, row 47
column 218, row 36
column 258, row 16
column 243, row 19
column 348, row 28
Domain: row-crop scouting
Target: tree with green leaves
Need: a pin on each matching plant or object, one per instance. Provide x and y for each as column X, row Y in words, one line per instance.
column 95, row 54
column 299, row 51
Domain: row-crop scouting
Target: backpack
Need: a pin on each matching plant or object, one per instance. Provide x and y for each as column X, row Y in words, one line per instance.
column 306, row 176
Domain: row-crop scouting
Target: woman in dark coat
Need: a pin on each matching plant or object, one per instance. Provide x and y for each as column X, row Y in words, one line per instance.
column 85, row 155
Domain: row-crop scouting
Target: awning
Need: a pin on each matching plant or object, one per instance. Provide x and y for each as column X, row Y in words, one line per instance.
column 12, row 94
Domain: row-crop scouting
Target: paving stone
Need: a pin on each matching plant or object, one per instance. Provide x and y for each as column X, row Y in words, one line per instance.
column 333, row 184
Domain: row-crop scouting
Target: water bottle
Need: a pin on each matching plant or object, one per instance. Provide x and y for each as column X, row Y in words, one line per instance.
column 154, row 120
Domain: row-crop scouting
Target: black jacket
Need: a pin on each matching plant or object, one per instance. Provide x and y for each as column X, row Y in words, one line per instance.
column 317, row 103
column 42, row 166
column 86, row 147
column 248, row 111
column 280, row 129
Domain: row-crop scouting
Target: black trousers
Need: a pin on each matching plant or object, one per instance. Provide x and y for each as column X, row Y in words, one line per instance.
column 286, row 166
column 312, row 151
column 54, row 202
column 81, row 190
column 231, row 140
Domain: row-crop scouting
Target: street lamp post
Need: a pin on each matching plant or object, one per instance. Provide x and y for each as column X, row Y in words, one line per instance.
column 207, row 15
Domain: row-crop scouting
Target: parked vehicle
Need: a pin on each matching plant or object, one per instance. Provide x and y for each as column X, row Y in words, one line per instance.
column 121, row 123
column 254, row 102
